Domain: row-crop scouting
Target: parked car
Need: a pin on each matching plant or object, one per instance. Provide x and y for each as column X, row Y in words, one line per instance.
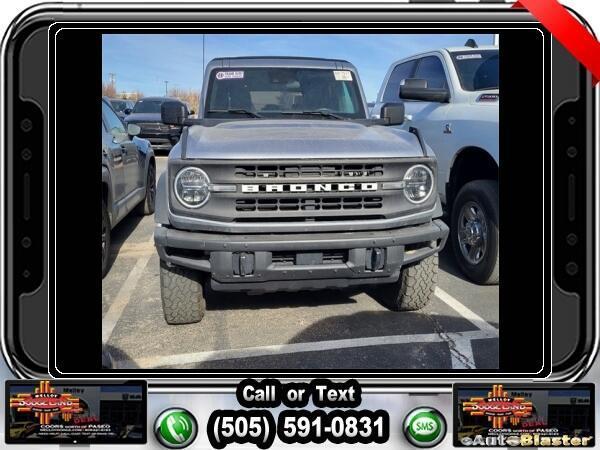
column 146, row 114
column 128, row 175
column 122, row 107
column 451, row 95
column 284, row 184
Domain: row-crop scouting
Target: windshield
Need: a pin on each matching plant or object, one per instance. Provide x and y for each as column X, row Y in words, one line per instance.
column 282, row 92
column 477, row 70
column 119, row 105
column 148, row 106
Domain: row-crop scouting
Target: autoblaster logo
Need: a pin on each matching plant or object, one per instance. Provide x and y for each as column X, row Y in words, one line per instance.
column 499, row 407
column 46, row 403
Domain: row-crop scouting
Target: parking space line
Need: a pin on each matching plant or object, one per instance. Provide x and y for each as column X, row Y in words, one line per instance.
column 115, row 311
column 468, row 314
column 136, row 249
column 302, row 347
column 461, row 354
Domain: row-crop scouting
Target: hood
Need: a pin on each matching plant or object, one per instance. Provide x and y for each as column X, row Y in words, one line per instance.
column 143, row 117
column 301, row 138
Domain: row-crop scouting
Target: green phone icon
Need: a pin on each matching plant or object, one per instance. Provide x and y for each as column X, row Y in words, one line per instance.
column 176, row 428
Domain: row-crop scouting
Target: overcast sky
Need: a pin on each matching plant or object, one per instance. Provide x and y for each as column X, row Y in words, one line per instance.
column 144, row 62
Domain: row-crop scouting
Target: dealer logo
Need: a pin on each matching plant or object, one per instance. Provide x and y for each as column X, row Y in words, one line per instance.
column 499, row 407
column 46, row 403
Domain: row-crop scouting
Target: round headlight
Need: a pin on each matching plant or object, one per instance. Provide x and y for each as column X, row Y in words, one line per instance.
column 191, row 187
column 418, row 183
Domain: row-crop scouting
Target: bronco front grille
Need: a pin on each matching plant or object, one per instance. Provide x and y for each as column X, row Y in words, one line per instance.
column 309, row 171
column 345, row 194
column 307, row 204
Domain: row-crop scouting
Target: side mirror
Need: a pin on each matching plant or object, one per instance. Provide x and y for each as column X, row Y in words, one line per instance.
column 414, row 82
column 415, row 89
column 393, row 113
column 118, row 135
column 127, row 111
column 133, row 129
column 172, row 113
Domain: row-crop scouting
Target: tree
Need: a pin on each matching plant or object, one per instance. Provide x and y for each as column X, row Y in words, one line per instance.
column 109, row 90
column 189, row 96
column 135, row 95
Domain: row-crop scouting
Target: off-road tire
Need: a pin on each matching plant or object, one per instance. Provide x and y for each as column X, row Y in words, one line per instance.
column 107, row 360
column 182, row 294
column 415, row 288
column 146, row 206
column 106, row 239
column 485, row 194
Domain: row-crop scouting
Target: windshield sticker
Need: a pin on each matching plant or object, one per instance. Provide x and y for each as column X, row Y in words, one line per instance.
column 470, row 56
column 342, row 75
column 231, row 75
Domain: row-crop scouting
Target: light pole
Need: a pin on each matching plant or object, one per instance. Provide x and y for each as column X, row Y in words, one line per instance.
column 166, row 88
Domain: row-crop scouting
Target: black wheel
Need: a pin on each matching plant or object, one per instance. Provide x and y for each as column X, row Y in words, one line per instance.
column 105, row 239
column 146, row 206
column 182, row 295
column 415, row 288
column 475, row 233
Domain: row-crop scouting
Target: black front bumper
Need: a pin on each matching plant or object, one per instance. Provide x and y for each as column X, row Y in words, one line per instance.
column 292, row 262
column 160, row 141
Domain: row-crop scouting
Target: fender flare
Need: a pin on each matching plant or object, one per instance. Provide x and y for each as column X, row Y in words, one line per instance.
column 161, row 201
column 451, row 168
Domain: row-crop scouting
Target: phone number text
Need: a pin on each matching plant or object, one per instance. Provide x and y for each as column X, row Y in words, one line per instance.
column 297, row 426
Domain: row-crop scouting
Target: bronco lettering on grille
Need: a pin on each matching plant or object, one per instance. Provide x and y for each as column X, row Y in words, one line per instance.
column 314, row 187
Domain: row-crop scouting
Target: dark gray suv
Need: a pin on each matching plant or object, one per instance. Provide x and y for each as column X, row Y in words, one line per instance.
column 128, row 175
column 146, row 114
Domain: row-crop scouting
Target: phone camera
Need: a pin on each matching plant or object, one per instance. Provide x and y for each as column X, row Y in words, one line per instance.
column 26, row 125
column 572, row 239
column 572, row 268
column 26, row 273
column 572, row 152
column 572, row 120
column 26, row 154
column 26, row 242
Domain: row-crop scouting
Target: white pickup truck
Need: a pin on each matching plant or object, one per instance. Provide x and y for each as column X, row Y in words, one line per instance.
column 451, row 95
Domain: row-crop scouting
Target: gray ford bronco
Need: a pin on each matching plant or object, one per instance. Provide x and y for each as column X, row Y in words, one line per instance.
column 283, row 184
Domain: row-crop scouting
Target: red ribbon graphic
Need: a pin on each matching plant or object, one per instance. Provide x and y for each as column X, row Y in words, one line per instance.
column 568, row 31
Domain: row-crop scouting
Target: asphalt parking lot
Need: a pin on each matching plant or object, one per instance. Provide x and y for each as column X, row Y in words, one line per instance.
column 305, row 330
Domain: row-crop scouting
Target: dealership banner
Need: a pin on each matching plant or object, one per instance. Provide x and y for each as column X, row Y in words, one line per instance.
column 55, row 412
column 524, row 415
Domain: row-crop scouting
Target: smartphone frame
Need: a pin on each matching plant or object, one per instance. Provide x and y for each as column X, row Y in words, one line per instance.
column 99, row 10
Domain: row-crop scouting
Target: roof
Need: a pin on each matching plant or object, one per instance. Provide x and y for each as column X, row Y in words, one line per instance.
column 448, row 49
column 279, row 61
column 310, row 58
column 471, row 49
